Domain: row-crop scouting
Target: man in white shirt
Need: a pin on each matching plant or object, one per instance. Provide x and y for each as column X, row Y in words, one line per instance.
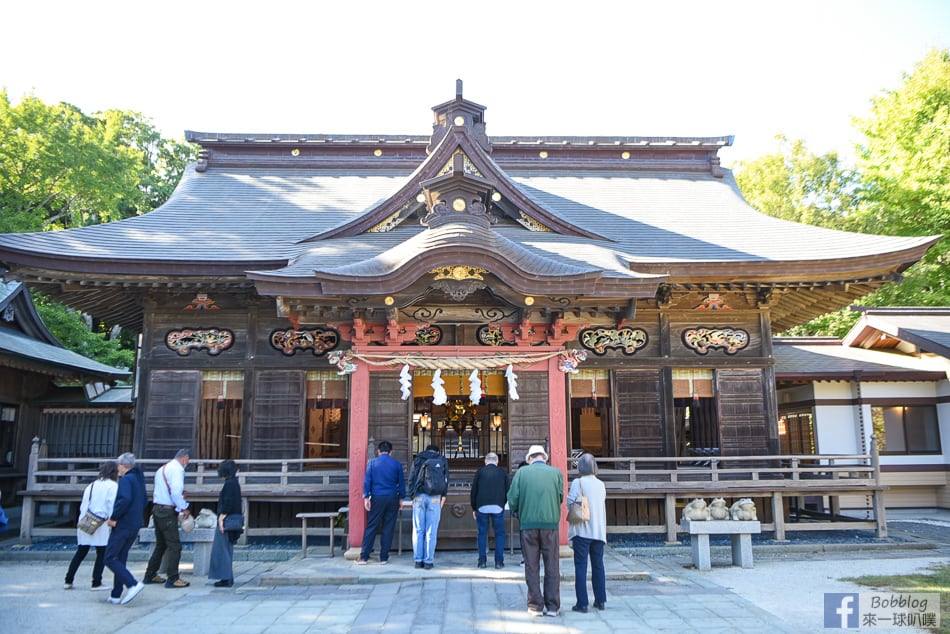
column 168, row 501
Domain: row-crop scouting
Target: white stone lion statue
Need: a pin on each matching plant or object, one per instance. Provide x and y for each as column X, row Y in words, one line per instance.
column 696, row 510
column 743, row 509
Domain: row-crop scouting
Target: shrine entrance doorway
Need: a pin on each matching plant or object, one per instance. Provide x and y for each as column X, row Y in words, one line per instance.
column 463, row 430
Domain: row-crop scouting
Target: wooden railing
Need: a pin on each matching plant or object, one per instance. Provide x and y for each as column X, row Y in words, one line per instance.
column 770, row 480
column 62, row 480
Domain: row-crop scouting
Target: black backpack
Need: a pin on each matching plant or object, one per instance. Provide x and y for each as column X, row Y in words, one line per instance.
column 435, row 476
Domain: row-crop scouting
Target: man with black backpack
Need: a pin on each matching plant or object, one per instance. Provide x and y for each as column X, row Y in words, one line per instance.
column 428, row 484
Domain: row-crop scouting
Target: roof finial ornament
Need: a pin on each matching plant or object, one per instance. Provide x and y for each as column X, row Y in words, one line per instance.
column 458, row 89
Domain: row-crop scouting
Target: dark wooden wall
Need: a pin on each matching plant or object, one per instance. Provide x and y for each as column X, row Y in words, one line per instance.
column 171, row 412
column 641, row 427
column 277, row 414
column 389, row 415
column 529, row 421
column 743, row 425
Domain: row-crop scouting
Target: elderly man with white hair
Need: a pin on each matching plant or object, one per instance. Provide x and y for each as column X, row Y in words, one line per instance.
column 126, row 520
column 536, row 495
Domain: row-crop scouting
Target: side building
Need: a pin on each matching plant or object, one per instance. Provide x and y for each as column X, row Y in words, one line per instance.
column 48, row 392
column 887, row 382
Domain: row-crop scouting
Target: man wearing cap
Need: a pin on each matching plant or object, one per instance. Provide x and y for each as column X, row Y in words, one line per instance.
column 536, row 495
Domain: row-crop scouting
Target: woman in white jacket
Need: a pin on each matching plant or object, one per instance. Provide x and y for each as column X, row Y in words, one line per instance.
column 98, row 497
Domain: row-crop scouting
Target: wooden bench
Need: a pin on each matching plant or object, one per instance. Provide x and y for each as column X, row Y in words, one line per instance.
column 200, row 537
column 330, row 515
column 740, row 531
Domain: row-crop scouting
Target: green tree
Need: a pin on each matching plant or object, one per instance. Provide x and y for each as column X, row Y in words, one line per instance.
column 71, row 329
column 61, row 168
column 900, row 186
column 794, row 184
column 904, row 163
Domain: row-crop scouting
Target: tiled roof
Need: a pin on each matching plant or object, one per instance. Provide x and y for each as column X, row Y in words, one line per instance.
column 249, row 217
column 690, row 218
column 829, row 359
column 15, row 345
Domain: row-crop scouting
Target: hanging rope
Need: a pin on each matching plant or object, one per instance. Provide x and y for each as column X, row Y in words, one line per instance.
column 345, row 360
column 455, row 363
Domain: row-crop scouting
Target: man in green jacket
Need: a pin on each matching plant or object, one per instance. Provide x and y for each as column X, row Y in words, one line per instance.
column 536, row 495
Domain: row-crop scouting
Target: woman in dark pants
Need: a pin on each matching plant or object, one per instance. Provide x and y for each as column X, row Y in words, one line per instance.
column 98, row 497
column 222, row 549
column 588, row 539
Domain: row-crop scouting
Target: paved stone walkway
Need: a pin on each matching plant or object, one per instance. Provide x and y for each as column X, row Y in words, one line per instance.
column 646, row 592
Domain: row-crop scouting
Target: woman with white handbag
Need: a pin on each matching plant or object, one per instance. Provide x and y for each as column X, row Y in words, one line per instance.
column 97, row 501
column 588, row 537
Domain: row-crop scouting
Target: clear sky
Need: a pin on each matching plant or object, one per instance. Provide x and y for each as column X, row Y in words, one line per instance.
column 752, row 69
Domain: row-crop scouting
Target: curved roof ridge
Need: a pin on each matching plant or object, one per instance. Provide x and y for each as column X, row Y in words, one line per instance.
column 451, row 236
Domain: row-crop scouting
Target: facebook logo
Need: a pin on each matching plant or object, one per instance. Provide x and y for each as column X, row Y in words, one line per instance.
column 841, row 610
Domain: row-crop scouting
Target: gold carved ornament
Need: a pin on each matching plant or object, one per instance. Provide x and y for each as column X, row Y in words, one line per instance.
column 458, row 273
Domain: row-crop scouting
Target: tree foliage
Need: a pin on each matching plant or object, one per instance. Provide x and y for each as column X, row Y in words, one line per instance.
column 62, row 168
column 93, row 341
column 900, row 186
column 905, row 168
column 795, row 184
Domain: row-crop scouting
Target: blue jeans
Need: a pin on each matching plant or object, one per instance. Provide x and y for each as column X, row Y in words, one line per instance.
column 593, row 548
column 497, row 520
column 426, row 513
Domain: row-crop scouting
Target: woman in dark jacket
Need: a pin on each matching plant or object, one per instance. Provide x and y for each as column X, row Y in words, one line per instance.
column 222, row 549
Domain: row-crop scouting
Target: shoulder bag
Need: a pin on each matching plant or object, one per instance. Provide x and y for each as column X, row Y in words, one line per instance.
column 579, row 511
column 90, row 522
column 234, row 522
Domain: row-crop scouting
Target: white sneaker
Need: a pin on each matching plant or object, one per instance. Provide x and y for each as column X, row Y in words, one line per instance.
column 113, row 600
column 67, row 586
column 133, row 592
column 101, row 586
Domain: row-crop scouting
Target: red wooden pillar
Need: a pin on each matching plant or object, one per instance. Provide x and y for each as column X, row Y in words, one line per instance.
column 359, row 440
column 557, row 432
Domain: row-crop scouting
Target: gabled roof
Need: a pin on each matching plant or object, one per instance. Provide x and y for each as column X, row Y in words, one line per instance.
column 925, row 329
column 26, row 343
column 825, row 358
column 18, row 312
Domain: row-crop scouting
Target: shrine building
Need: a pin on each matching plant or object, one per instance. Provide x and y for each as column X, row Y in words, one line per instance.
column 305, row 296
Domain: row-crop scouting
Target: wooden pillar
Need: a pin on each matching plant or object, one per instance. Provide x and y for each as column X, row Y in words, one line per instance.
column 778, row 516
column 669, row 518
column 557, row 427
column 880, row 513
column 359, row 438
